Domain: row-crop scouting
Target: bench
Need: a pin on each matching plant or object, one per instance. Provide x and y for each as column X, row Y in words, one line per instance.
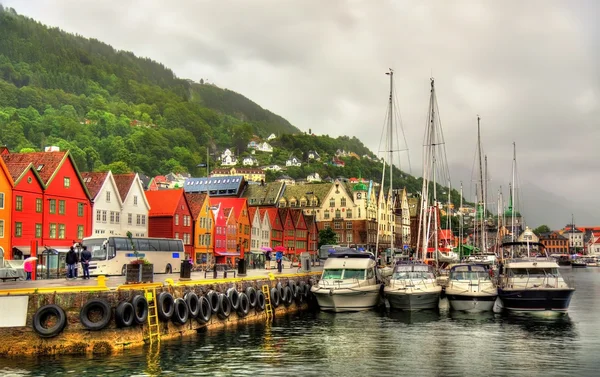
column 220, row 267
column 13, row 278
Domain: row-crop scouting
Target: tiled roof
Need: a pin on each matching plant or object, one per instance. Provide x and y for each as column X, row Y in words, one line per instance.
column 236, row 203
column 296, row 216
column 195, row 201
column 45, row 163
column 263, row 195
column 124, row 182
column 227, row 212
column 16, row 169
column 252, row 213
column 320, row 190
column 163, row 202
column 94, row 181
column 273, row 214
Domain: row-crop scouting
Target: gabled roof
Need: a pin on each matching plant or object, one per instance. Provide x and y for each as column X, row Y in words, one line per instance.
column 217, row 186
column 263, row 195
column 46, row 164
column 195, row 201
column 318, row 190
column 252, row 213
column 17, row 170
column 124, row 183
column 163, row 202
column 94, row 182
column 236, row 203
column 297, row 217
column 273, row 214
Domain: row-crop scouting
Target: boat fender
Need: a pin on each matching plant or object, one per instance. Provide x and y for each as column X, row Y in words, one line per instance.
column 260, row 301
column 165, row 304
column 299, row 293
column 331, row 292
column 40, row 319
column 205, row 310
column 124, row 314
column 224, row 306
column 181, row 314
column 279, row 289
column 213, row 299
column 251, row 293
column 289, row 298
column 275, row 297
column 234, row 297
column 292, row 284
column 140, row 309
column 244, row 305
column 306, row 290
column 193, row 304
column 95, row 305
column 283, row 294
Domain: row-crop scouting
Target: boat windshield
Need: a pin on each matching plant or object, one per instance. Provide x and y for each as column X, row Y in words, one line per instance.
column 348, row 273
column 553, row 271
column 413, row 275
column 470, row 275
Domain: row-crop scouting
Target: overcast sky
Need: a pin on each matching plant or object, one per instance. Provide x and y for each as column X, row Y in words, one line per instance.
column 530, row 69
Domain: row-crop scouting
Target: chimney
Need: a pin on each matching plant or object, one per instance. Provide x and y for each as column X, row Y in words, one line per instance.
column 52, row 148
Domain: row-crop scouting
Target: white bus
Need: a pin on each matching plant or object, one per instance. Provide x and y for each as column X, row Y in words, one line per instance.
column 111, row 254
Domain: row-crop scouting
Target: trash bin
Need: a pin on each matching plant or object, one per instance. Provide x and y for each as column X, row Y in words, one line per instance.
column 242, row 267
column 186, row 270
column 305, row 261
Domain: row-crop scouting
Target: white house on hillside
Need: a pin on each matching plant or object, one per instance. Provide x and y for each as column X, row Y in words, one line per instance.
column 106, row 203
column 134, row 214
column 293, row 161
column 315, row 177
column 228, row 158
column 271, row 137
column 249, row 161
column 264, row 147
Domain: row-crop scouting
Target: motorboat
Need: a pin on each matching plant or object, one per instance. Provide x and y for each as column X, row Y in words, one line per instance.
column 579, row 263
column 349, row 282
column 592, row 261
column 470, row 288
column 413, row 286
column 532, row 284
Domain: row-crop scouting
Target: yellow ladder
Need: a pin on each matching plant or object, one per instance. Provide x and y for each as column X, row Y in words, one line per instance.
column 268, row 307
column 153, row 323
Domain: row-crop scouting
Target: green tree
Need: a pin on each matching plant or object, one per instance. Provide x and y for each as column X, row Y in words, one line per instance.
column 541, row 229
column 327, row 237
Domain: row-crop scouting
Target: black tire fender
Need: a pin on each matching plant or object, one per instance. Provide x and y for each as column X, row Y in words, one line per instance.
column 251, row 293
column 275, row 298
column 140, row 309
column 213, row 299
column 234, row 297
column 288, row 296
column 41, row 316
column 181, row 314
column 292, row 284
column 224, row 306
column 165, row 305
column 193, row 303
column 95, row 304
column 124, row 314
column 279, row 287
column 260, row 301
column 205, row 310
column 283, row 294
column 244, row 305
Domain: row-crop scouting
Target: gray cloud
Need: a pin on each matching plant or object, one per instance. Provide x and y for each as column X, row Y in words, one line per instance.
column 530, row 69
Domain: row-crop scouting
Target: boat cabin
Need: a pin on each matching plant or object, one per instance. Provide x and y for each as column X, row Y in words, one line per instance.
column 349, row 264
column 469, row 272
column 413, row 272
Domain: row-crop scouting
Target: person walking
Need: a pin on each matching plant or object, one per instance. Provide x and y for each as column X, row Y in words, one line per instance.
column 279, row 260
column 268, row 259
column 71, row 261
column 86, row 257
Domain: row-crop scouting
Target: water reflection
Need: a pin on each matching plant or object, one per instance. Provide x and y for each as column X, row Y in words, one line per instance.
column 412, row 317
column 550, row 327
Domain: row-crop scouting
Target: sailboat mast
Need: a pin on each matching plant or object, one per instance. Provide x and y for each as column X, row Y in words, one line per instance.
column 435, row 201
column 460, row 227
column 513, row 217
column 379, row 221
column 390, row 216
column 485, row 193
column 480, row 195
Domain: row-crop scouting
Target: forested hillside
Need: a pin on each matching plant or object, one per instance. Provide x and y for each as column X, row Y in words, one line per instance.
column 114, row 110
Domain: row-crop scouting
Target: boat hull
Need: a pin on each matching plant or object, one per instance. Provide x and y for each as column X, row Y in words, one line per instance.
column 405, row 299
column 471, row 303
column 536, row 300
column 347, row 299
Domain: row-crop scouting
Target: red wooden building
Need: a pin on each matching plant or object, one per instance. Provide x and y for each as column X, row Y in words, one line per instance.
column 170, row 217
column 276, row 225
column 301, row 231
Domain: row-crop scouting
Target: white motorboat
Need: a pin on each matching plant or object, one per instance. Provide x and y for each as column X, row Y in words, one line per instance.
column 470, row 288
column 349, row 282
column 413, row 286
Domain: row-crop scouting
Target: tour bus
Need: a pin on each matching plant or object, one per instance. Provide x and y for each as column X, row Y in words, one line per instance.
column 111, row 254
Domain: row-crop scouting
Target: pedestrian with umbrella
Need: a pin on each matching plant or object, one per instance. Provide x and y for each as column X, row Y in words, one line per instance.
column 267, row 251
column 279, row 257
column 28, row 266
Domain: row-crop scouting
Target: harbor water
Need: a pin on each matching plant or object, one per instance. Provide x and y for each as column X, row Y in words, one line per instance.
column 373, row 343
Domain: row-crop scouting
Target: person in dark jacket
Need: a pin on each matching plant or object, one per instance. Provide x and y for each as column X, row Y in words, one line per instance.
column 71, row 261
column 86, row 257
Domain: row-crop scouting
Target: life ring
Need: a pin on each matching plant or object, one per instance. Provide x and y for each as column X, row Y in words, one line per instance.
column 260, row 301
column 234, row 297
column 224, row 306
column 251, row 293
column 205, row 310
column 165, row 303
column 140, row 309
column 40, row 320
column 292, row 285
column 275, row 298
column 193, row 304
column 124, row 314
column 244, row 305
column 288, row 296
column 213, row 299
column 181, row 314
column 91, row 306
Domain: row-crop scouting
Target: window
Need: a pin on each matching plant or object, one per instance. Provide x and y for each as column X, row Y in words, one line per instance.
column 112, row 217
column 138, row 220
column 332, row 202
column 129, row 219
column 61, row 231
column 18, row 229
column 176, row 219
column 176, row 235
column 61, row 207
column 80, row 209
column 349, row 237
column 326, row 215
column 52, row 230
column 67, row 182
column 104, row 213
column 18, row 203
column 98, row 215
column 135, row 200
column 348, row 213
column 38, row 231
column 348, row 225
column 1, row 200
column 143, row 219
column 108, row 196
column 1, row 228
column 52, row 206
column 338, row 214
column 343, row 202
column 117, row 217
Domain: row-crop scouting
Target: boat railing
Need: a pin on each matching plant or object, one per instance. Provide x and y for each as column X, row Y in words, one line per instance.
column 337, row 283
column 533, row 282
column 480, row 285
column 409, row 283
